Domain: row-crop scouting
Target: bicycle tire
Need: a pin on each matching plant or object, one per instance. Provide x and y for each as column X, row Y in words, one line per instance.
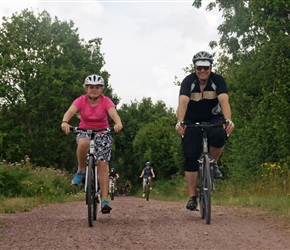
column 91, row 191
column 201, row 203
column 147, row 191
column 97, row 203
column 112, row 192
column 95, row 209
column 207, row 189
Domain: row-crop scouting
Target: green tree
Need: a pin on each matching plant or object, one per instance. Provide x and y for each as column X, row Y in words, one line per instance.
column 158, row 143
column 141, row 121
column 255, row 60
column 43, row 63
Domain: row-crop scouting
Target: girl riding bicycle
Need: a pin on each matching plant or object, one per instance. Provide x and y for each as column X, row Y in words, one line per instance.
column 94, row 109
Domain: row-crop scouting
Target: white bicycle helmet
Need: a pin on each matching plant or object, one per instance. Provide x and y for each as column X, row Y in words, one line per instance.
column 94, row 80
column 202, row 56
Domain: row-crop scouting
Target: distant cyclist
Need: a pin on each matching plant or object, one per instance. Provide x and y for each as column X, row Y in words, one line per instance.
column 149, row 173
column 127, row 187
column 121, row 190
column 114, row 176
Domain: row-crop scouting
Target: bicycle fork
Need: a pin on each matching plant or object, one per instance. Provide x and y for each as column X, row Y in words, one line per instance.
column 201, row 172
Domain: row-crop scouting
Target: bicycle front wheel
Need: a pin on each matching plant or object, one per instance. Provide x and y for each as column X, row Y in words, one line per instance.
column 207, row 189
column 91, row 191
column 112, row 191
column 147, row 191
column 201, row 201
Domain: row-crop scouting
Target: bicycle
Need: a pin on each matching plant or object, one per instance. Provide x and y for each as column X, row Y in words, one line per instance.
column 126, row 191
column 112, row 188
column 92, row 190
column 146, row 184
column 206, row 171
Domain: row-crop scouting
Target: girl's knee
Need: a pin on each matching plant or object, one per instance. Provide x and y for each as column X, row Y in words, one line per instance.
column 102, row 166
column 83, row 143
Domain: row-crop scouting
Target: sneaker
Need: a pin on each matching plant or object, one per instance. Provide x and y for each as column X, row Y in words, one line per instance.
column 150, row 188
column 191, row 204
column 143, row 195
column 217, row 172
column 79, row 177
column 106, row 207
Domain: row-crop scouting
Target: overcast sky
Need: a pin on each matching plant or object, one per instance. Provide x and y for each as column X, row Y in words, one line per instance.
column 145, row 43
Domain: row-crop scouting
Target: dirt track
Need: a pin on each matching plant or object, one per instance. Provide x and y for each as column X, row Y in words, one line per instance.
column 135, row 223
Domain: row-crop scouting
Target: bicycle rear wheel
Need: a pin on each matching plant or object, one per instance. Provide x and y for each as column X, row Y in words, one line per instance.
column 147, row 191
column 91, row 192
column 207, row 189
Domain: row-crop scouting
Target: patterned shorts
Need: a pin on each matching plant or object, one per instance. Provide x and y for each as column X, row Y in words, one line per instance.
column 103, row 145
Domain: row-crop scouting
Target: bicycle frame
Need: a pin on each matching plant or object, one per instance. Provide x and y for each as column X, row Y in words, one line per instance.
column 147, row 187
column 145, row 181
column 204, row 127
column 111, row 181
column 91, row 152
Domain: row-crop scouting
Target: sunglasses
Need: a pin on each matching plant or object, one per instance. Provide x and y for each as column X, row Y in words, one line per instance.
column 202, row 67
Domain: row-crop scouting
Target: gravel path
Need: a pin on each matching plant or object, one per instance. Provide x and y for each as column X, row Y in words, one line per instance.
column 135, row 223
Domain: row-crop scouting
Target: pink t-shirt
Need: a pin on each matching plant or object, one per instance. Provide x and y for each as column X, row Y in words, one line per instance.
column 93, row 116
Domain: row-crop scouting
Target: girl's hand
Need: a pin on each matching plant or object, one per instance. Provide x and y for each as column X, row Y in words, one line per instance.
column 65, row 127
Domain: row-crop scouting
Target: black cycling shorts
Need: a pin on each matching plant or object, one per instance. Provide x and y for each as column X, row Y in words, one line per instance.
column 192, row 145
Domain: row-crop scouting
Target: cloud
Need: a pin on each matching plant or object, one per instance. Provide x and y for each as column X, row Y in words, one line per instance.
column 145, row 44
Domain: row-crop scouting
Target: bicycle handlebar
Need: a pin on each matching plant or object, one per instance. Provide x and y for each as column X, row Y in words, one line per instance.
column 204, row 127
column 206, row 124
column 76, row 130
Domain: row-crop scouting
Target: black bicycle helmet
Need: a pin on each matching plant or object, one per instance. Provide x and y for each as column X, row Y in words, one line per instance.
column 147, row 163
column 201, row 56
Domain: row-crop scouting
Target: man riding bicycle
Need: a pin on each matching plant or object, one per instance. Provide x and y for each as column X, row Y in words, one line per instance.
column 149, row 173
column 203, row 96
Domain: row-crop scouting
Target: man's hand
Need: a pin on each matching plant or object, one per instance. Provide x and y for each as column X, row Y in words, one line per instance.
column 229, row 126
column 180, row 127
